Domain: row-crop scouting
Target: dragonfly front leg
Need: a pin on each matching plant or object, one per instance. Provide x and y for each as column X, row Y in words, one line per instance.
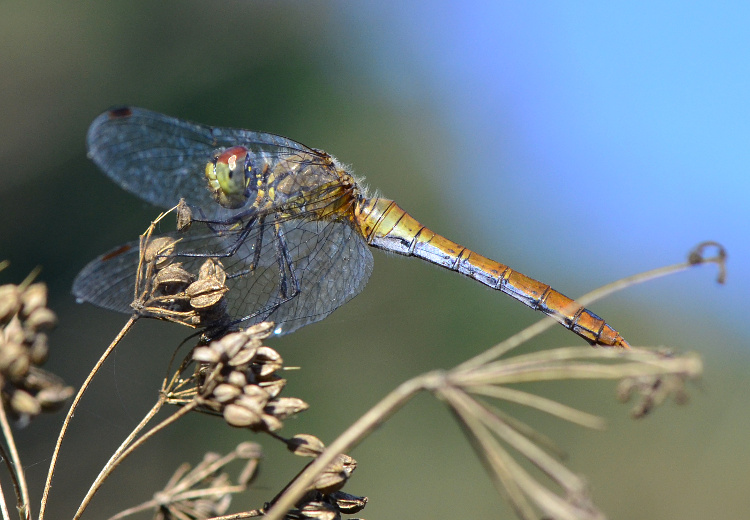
column 288, row 286
column 287, row 276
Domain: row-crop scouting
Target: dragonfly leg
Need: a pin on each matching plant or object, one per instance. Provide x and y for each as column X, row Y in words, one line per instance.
column 289, row 286
column 285, row 265
column 241, row 237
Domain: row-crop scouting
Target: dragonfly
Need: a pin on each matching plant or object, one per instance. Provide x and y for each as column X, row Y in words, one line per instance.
column 289, row 226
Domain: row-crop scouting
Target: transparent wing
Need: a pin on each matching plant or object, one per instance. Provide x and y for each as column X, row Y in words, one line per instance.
column 329, row 260
column 161, row 158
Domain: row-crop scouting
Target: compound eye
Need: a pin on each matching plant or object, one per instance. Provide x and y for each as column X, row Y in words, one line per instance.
column 228, row 174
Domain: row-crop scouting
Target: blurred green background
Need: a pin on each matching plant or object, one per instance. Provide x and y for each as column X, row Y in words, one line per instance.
column 577, row 143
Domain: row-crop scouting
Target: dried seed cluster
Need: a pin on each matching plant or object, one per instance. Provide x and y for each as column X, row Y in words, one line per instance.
column 206, row 490
column 315, row 505
column 237, row 377
column 168, row 291
column 651, row 391
column 27, row 390
column 325, row 501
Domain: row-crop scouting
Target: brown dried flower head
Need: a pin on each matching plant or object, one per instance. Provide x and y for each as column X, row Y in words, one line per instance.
column 167, row 290
column 236, row 377
column 206, row 490
column 320, row 506
column 27, row 390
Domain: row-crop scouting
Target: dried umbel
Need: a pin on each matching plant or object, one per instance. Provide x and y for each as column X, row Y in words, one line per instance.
column 27, row 390
column 651, row 391
column 206, row 490
column 236, row 377
column 319, row 506
column 325, row 499
column 166, row 290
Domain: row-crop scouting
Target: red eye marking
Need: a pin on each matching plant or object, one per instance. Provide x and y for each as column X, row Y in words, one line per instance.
column 231, row 156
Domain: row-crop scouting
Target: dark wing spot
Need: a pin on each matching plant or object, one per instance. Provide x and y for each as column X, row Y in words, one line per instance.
column 120, row 112
column 117, row 252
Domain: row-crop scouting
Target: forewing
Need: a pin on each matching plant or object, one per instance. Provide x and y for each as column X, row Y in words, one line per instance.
column 162, row 159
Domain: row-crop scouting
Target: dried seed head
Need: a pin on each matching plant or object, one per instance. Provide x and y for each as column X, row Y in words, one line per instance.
column 41, row 318
column 305, row 445
column 348, row 504
column 206, row 355
column 173, row 277
column 274, row 387
column 348, row 463
column 248, row 450
column 243, row 357
column 241, row 416
column 267, row 361
column 235, row 377
column 331, row 479
column 10, row 302
column 27, row 390
column 33, row 297
column 184, row 216
column 204, row 491
column 335, row 475
column 205, row 293
column 653, row 390
column 18, row 367
column 224, row 393
column 38, row 350
column 23, row 403
column 14, row 332
column 253, row 396
column 212, row 269
column 160, row 249
column 271, row 423
column 319, row 510
column 285, row 407
column 10, row 355
column 53, row 398
column 261, row 330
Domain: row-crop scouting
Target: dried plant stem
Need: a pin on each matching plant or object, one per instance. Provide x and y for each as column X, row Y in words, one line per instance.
column 351, row 437
column 151, row 504
column 595, row 295
column 509, row 477
column 543, row 404
column 253, row 513
column 3, row 505
column 15, row 469
column 73, row 406
column 112, row 462
column 128, row 447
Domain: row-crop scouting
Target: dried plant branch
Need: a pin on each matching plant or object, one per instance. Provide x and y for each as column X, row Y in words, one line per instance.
column 116, row 457
column 350, row 438
column 3, row 505
column 15, row 469
column 26, row 389
column 204, row 491
column 543, row 404
column 511, row 479
column 71, row 411
column 235, row 376
column 488, row 428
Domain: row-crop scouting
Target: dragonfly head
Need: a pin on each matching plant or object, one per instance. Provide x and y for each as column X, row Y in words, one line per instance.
column 229, row 174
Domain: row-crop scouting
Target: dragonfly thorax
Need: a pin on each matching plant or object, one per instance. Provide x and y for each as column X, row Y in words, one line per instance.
column 229, row 174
